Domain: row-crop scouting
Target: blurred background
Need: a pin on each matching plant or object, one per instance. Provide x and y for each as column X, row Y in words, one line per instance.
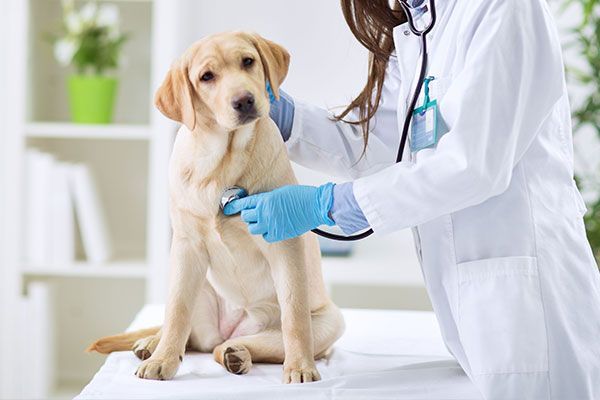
column 84, row 229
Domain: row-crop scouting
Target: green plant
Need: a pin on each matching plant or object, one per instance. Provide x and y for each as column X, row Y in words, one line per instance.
column 90, row 39
column 587, row 114
column 592, row 223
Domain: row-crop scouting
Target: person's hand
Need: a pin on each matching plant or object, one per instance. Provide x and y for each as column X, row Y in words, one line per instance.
column 286, row 212
column 282, row 112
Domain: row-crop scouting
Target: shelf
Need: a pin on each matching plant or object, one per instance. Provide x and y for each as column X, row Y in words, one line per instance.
column 127, row 270
column 81, row 131
column 112, row 270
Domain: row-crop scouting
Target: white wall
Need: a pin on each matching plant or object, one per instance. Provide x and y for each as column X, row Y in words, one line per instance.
column 328, row 65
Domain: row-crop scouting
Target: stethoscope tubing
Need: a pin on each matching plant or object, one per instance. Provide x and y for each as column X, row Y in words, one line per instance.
column 409, row 113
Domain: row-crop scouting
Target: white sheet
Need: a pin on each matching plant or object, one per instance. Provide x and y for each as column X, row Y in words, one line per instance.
column 382, row 355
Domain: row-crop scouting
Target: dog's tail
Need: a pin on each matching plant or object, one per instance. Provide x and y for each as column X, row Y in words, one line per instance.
column 120, row 342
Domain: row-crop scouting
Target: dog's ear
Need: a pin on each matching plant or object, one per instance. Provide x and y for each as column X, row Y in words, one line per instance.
column 275, row 60
column 174, row 97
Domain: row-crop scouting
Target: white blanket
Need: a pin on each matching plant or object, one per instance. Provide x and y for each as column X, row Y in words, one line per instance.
column 382, row 355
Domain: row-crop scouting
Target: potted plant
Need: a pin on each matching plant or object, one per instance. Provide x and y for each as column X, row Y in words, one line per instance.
column 586, row 114
column 91, row 42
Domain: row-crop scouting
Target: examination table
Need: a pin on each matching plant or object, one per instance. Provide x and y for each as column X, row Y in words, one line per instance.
column 382, row 355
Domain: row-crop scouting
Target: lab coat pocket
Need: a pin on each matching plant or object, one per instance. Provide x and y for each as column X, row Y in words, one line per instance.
column 501, row 316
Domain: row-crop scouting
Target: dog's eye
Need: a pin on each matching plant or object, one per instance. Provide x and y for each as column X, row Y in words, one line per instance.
column 247, row 61
column 208, row 76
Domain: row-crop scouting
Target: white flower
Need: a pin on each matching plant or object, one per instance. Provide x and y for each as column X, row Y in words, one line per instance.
column 88, row 13
column 108, row 15
column 73, row 23
column 64, row 50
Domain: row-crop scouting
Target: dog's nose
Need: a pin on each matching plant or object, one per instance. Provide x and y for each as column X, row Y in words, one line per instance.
column 244, row 103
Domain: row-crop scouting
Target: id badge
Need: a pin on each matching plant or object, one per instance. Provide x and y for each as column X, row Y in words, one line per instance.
column 424, row 133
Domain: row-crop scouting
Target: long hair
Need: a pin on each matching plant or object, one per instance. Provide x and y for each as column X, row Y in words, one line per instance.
column 372, row 23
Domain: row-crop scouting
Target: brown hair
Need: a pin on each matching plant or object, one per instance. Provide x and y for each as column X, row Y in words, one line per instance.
column 372, row 23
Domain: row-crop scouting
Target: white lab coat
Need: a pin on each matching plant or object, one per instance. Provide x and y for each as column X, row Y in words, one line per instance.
column 498, row 218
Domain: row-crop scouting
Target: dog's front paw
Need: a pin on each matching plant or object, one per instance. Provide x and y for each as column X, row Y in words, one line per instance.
column 300, row 372
column 158, row 368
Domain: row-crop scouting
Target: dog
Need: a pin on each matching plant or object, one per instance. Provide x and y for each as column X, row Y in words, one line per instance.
column 232, row 293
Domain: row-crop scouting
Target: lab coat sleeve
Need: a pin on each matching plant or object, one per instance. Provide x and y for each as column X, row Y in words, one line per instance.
column 335, row 147
column 512, row 76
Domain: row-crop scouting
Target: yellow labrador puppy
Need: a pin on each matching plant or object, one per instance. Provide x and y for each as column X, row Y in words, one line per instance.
column 230, row 292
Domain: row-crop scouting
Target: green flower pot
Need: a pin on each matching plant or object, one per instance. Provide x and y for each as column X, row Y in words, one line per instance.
column 92, row 98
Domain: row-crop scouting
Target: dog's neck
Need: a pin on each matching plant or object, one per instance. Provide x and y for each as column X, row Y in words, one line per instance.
column 223, row 154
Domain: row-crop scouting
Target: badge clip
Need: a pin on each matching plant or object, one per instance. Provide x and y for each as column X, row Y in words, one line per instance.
column 424, row 122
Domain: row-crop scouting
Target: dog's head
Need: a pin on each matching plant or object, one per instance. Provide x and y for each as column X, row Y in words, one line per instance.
column 221, row 80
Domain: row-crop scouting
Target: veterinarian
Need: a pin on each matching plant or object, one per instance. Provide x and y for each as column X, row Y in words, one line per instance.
column 488, row 191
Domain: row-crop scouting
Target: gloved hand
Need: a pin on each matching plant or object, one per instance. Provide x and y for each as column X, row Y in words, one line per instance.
column 282, row 112
column 286, row 212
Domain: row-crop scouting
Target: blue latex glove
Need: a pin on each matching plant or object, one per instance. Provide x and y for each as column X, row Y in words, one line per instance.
column 286, row 212
column 282, row 112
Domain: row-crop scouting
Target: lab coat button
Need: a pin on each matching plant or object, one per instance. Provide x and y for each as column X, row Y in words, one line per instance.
column 406, row 32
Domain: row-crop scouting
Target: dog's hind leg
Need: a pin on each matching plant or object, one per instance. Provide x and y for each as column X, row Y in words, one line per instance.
column 328, row 326
column 205, row 333
column 205, row 329
column 144, row 347
column 237, row 354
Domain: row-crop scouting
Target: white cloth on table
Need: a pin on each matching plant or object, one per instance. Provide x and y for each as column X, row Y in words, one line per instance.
column 382, row 355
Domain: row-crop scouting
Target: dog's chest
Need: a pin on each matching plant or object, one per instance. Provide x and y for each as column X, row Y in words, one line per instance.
column 200, row 200
column 199, row 172
column 238, row 270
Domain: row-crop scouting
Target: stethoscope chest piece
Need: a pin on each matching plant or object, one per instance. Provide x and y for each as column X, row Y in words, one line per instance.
column 231, row 194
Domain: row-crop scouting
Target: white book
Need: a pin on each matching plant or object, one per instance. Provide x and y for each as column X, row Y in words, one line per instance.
column 61, row 225
column 39, row 167
column 90, row 215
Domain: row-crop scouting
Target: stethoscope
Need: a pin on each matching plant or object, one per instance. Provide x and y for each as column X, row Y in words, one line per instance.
column 235, row 193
